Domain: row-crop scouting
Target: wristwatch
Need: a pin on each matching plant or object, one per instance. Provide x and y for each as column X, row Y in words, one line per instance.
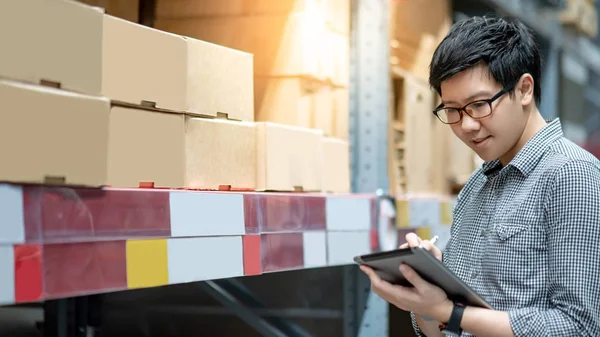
column 452, row 328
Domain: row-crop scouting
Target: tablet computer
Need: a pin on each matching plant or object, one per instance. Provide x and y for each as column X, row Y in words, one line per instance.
column 387, row 266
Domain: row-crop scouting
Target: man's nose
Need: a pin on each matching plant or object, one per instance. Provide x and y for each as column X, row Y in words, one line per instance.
column 469, row 124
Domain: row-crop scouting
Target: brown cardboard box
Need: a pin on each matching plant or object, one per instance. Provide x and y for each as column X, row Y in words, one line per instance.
column 282, row 45
column 219, row 80
column 416, row 29
column 288, row 158
column 55, row 41
column 341, row 59
column 410, row 19
column 124, row 9
column 336, row 165
column 335, row 59
column 173, row 150
column 417, row 104
column 442, row 157
column 287, row 101
column 341, row 112
column 206, row 8
column 52, row 136
column 294, row 101
column 323, row 114
column 143, row 64
column 338, row 15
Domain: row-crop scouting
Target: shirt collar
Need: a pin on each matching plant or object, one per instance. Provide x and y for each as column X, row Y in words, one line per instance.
column 526, row 160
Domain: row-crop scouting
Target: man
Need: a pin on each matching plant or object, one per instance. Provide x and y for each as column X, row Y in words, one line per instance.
column 526, row 229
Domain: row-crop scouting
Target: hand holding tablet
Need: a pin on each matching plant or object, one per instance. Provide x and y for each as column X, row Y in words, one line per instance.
column 425, row 258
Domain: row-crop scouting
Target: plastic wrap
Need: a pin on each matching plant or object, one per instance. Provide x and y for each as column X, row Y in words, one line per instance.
column 64, row 241
column 61, row 241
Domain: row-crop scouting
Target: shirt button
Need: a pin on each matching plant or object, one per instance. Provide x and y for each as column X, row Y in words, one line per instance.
column 484, row 233
column 474, row 274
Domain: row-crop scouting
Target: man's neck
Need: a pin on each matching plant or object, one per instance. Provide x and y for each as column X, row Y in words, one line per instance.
column 534, row 124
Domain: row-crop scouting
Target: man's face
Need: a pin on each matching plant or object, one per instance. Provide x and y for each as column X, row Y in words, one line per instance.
column 493, row 136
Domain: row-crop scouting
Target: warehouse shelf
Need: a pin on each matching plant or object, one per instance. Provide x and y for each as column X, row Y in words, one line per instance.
column 61, row 242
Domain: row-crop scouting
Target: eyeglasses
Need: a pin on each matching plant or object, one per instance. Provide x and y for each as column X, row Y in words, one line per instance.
column 476, row 110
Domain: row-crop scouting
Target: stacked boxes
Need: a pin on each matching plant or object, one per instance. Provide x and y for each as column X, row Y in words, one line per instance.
column 131, row 106
column 300, row 49
column 416, row 28
column 425, row 156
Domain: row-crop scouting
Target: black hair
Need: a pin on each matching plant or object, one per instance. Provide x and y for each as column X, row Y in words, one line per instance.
column 507, row 47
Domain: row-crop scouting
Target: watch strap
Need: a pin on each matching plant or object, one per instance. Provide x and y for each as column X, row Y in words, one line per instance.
column 452, row 328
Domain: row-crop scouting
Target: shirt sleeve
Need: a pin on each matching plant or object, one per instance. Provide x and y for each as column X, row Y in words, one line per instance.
column 572, row 210
column 415, row 326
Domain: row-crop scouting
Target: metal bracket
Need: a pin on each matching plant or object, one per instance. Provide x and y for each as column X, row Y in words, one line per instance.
column 72, row 317
column 240, row 301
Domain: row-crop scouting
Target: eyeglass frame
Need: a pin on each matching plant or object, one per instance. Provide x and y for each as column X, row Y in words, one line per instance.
column 460, row 110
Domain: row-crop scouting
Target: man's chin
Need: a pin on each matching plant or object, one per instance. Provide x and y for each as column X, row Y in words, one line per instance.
column 485, row 155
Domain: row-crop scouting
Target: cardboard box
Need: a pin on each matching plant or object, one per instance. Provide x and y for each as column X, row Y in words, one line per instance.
column 294, row 101
column 282, row 45
column 323, row 113
column 287, row 101
column 205, row 8
column 124, row 9
column 336, row 165
column 52, row 136
column 416, row 103
column 341, row 112
column 340, row 72
column 288, row 158
column 57, row 42
column 143, row 65
column 411, row 19
column 176, row 151
column 338, row 15
column 219, row 80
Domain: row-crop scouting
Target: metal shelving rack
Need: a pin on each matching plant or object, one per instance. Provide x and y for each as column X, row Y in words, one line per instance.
column 363, row 313
column 366, row 314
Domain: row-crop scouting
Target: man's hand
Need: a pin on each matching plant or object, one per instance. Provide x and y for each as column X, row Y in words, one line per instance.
column 424, row 298
column 413, row 240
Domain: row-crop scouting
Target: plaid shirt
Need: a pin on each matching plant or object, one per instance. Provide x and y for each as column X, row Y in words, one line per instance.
column 527, row 237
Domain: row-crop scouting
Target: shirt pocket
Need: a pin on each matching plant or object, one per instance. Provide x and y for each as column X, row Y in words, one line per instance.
column 517, row 237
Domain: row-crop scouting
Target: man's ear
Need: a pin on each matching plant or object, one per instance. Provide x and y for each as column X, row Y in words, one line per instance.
column 525, row 89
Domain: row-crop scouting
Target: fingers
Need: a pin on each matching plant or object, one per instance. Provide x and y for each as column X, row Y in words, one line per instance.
column 370, row 273
column 432, row 248
column 413, row 240
column 395, row 294
column 414, row 278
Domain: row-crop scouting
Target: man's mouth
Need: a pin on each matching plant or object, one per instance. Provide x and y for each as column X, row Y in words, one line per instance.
column 480, row 141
